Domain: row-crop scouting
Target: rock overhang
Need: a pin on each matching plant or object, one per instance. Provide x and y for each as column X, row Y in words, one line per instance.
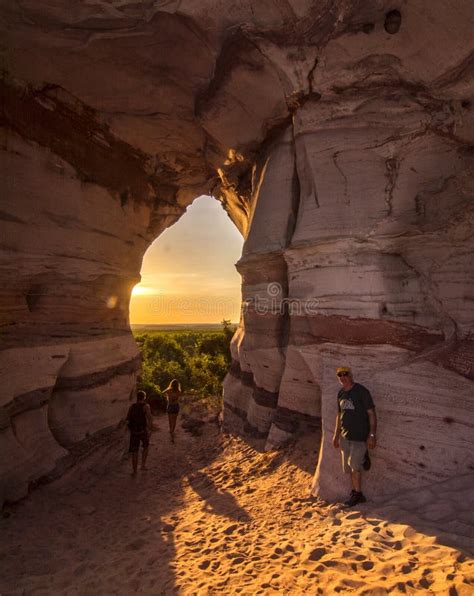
column 337, row 135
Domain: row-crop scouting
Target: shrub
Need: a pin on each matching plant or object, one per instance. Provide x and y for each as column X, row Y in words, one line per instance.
column 198, row 359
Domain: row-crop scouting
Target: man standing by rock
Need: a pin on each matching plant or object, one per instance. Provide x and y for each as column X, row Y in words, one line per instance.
column 356, row 425
column 140, row 424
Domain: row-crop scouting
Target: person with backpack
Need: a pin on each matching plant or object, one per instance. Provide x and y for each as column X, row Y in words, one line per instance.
column 140, row 424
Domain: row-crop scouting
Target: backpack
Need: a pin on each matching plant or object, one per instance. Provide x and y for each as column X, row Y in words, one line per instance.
column 137, row 422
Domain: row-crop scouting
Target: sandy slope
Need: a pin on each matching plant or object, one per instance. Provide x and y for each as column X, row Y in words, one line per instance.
column 213, row 516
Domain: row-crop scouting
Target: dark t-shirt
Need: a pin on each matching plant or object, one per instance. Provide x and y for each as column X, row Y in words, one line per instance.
column 352, row 406
column 136, row 418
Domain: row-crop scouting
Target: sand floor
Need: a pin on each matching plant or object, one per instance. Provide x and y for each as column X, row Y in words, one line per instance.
column 214, row 516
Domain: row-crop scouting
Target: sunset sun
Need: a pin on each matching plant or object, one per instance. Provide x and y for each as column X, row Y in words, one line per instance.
column 141, row 290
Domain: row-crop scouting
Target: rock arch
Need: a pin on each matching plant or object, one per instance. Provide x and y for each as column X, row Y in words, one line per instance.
column 338, row 136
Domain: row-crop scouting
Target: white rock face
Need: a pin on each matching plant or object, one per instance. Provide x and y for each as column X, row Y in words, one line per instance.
column 338, row 136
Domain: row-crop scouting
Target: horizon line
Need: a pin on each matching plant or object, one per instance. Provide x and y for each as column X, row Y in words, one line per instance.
column 182, row 324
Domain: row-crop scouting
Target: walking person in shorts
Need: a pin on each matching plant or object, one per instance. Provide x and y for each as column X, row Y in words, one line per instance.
column 173, row 392
column 356, row 425
column 140, row 424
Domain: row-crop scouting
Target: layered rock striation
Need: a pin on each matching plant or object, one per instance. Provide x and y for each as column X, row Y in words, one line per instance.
column 338, row 135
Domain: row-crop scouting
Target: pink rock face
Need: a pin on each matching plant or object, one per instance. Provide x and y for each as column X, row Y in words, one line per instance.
column 338, row 136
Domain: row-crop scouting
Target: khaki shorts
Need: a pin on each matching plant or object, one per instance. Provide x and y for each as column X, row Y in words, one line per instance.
column 353, row 454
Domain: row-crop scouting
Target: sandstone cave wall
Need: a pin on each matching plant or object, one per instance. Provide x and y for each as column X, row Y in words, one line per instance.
column 338, row 136
column 371, row 280
column 68, row 360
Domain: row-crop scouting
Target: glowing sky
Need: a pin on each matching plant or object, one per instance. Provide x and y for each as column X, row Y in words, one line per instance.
column 188, row 273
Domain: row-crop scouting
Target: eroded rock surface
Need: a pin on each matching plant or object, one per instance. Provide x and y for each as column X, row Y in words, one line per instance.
column 338, row 135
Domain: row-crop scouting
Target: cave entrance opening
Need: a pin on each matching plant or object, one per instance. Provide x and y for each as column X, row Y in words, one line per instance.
column 188, row 275
column 187, row 305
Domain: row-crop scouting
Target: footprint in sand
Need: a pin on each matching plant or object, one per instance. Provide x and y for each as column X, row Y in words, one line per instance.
column 374, row 549
column 348, row 554
column 331, row 563
column 409, row 532
column 367, row 565
column 230, row 529
column 356, row 515
column 136, row 544
column 316, row 554
column 351, row 583
column 190, row 542
column 397, row 545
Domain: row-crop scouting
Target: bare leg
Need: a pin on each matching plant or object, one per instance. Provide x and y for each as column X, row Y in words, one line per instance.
column 144, row 456
column 172, row 422
column 356, row 478
column 135, row 462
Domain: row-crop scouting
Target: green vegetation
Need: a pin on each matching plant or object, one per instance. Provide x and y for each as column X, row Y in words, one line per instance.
column 198, row 358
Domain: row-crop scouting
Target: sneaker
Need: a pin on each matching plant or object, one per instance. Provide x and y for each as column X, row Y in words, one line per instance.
column 350, row 497
column 355, row 499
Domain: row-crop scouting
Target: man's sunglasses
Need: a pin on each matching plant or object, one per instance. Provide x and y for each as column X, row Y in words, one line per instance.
column 343, row 374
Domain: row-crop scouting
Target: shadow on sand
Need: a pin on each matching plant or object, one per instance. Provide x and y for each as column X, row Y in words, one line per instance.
column 216, row 500
column 98, row 529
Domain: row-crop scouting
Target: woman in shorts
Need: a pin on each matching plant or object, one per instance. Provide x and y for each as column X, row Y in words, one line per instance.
column 173, row 393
